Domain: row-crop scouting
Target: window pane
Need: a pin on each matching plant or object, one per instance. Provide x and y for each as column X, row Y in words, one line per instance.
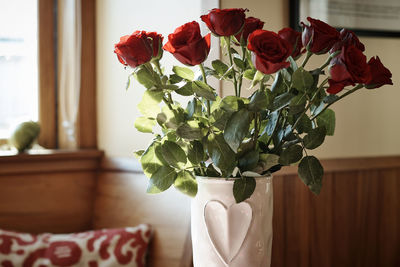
column 18, row 63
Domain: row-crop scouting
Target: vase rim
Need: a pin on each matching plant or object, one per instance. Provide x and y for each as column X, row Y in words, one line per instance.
column 207, row 178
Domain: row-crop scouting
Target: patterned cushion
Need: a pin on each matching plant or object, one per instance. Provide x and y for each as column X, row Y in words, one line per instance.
column 102, row 248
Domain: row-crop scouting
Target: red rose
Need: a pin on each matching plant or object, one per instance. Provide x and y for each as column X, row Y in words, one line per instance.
column 319, row 37
column 250, row 25
column 225, row 22
column 347, row 38
column 138, row 48
column 379, row 74
column 294, row 38
column 348, row 68
column 187, row 45
column 271, row 51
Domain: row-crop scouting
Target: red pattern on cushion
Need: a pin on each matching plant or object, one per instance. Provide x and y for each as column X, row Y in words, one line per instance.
column 105, row 248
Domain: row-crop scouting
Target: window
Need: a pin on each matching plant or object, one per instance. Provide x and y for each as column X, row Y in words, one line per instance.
column 18, row 64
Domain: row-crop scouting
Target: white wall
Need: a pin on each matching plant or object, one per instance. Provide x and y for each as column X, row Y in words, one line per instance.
column 117, row 107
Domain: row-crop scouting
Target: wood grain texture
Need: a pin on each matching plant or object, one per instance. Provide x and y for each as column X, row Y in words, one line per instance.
column 48, row 191
column 47, row 82
column 355, row 221
column 121, row 201
column 87, row 126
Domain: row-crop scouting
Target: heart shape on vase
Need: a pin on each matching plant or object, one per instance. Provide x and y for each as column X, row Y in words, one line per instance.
column 227, row 227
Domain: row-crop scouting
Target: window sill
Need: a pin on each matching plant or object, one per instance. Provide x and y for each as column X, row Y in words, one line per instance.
column 45, row 161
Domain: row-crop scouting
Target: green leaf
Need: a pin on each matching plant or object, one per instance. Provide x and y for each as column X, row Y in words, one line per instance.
column 221, row 154
column 149, row 105
column 239, row 63
column 128, row 82
column 249, row 74
column 138, row 153
column 161, row 180
column 150, row 160
column 293, row 64
column 230, row 103
column 329, row 99
column 311, row 172
column 185, row 90
column 188, row 132
column 204, row 90
column 183, row 72
column 211, row 171
column 266, row 162
column 314, row 138
column 145, row 125
column 271, row 124
column 302, row 80
column 219, row 118
column 144, row 76
column 257, row 78
column 259, row 101
column 282, row 101
column 186, row 183
column 173, row 154
column 243, row 188
column 248, row 161
column 237, row 128
column 291, row 155
column 196, row 152
column 173, row 79
column 219, row 66
column 304, row 125
column 278, row 84
column 327, row 119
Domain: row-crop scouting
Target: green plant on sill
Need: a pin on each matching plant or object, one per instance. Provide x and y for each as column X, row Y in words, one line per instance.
column 286, row 116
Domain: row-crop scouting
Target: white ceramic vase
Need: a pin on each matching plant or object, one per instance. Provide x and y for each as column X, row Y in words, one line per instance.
column 227, row 234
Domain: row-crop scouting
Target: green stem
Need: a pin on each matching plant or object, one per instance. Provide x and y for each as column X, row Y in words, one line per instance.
column 340, row 97
column 308, row 55
column 203, row 73
column 328, row 61
column 228, row 43
column 158, row 67
column 244, row 52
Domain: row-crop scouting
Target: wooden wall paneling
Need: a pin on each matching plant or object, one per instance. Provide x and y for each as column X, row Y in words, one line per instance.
column 355, row 221
column 87, row 125
column 122, row 201
column 52, row 202
column 48, row 191
column 47, row 82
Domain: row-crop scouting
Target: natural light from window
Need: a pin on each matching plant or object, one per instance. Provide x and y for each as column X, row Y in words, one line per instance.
column 18, row 64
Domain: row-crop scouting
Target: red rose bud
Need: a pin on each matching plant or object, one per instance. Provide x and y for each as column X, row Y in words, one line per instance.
column 270, row 51
column 225, row 22
column 294, row 38
column 348, row 68
column 319, row 37
column 379, row 74
column 138, row 48
column 347, row 38
column 250, row 25
column 187, row 45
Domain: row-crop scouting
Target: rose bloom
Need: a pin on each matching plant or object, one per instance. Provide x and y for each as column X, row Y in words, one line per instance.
column 379, row 74
column 270, row 51
column 348, row 68
column 138, row 48
column 225, row 22
column 187, row 45
column 294, row 38
column 250, row 25
column 319, row 37
column 347, row 38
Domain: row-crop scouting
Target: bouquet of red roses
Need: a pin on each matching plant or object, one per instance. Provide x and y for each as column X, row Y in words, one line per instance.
column 287, row 114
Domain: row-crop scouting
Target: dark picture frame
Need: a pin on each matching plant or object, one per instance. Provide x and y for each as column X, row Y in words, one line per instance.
column 365, row 30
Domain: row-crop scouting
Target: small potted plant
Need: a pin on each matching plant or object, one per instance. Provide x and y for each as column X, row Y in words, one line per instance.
column 226, row 149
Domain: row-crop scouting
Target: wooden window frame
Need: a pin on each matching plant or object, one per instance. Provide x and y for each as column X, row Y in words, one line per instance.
column 47, row 55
